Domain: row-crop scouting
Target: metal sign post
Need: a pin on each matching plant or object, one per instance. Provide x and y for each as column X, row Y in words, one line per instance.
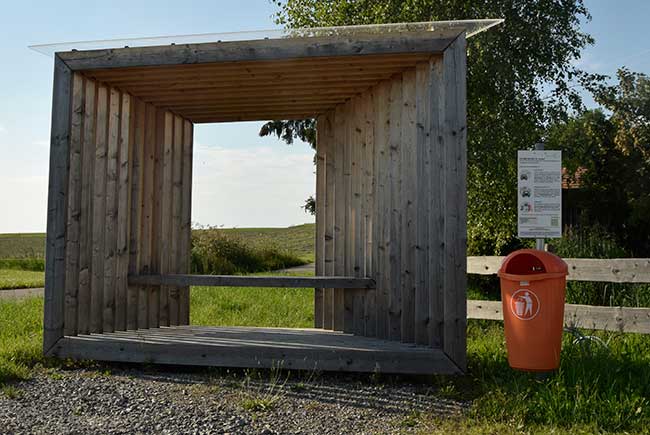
column 539, row 243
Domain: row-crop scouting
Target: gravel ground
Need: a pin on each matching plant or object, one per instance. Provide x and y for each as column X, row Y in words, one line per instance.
column 121, row 400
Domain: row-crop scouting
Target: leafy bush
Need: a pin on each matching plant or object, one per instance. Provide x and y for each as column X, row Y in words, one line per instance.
column 596, row 242
column 216, row 253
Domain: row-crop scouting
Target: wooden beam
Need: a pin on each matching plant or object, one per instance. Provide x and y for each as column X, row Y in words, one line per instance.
column 56, row 206
column 343, row 282
column 632, row 270
column 618, row 319
column 271, row 49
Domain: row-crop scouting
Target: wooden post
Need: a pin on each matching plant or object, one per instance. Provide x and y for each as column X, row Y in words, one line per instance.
column 321, row 144
column 56, row 206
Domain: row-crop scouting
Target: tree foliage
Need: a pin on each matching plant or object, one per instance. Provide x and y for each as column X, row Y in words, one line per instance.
column 611, row 156
column 521, row 77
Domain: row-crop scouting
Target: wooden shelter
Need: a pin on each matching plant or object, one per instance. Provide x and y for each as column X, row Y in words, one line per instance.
column 391, row 196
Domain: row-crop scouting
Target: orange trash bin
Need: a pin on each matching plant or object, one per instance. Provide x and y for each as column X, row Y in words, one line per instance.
column 533, row 288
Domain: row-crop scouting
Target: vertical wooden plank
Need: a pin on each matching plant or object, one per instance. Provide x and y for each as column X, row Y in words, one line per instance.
column 408, row 183
column 321, row 144
column 329, row 224
column 166, row 212
column 369, row 175
column 99, row 211
column 186, row 224
column 382, row 208
column 148, row 303
column 348, row 239
column 455, row 137
column 86, row 222
column 136, row 294
column 339, row 213
column 437, row 201
column 395, row 212
column 110, row 237
column 176, row 209
column 56, row 207
column 358, row 224
column 74, row 206
column 156, row 217
column 125, row 160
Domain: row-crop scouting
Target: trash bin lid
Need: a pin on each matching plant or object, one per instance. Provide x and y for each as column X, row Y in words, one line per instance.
column 532, row 262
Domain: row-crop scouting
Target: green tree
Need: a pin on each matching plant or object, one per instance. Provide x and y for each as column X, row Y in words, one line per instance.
column 521, row 76
column 611, row 154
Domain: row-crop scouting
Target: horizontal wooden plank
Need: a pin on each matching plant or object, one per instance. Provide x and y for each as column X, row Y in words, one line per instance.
column 271, row 49
column 630, row 270
column 619, row 319
column 303, row 349
column 348, row 282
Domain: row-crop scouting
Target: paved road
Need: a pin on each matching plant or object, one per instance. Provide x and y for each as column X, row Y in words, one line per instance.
column 20, row 293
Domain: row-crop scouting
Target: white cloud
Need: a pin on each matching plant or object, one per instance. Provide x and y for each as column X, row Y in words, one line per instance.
column 3, row 129
column 250, row 187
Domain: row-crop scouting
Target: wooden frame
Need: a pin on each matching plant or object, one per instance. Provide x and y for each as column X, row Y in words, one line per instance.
column 391, row 200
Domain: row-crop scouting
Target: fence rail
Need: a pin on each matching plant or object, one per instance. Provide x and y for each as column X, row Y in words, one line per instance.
column 620, row 270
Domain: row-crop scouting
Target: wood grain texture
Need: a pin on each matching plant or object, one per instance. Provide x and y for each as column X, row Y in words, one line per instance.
column 125, row 160
column 110, row 220
column 86, row 220
column 369, row 196
column 321, row 145
column 345, row 282
column 177, row 208
column 186, row 221
column 455, row 137
column 56, row 207
column 99, row 211
column 268, row 49
column 348, row 226
column 618, row 319
column 327, row 129
column 408, row 191
column 165, row 211
column 305, row 349
column 73, row 229
column 339, row 214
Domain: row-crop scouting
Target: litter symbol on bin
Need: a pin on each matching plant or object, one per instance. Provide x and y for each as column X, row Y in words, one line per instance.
column 524, row 304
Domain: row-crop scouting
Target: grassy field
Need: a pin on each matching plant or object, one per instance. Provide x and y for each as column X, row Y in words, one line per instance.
column 602, row 390
column 16, row 250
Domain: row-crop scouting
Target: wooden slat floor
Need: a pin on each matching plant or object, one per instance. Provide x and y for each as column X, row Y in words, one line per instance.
column 304, row 349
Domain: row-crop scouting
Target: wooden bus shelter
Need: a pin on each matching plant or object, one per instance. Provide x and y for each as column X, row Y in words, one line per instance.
column 391, row 196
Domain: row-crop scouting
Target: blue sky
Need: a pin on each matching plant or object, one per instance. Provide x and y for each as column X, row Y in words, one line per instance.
column 237, row 174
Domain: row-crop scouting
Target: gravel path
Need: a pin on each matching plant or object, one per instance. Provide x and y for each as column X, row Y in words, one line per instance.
column 126, row 400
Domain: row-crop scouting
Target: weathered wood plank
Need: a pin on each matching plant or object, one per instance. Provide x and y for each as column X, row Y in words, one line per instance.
column 395, row 209
column 156, row 216
column 632, row 270
column 357, row 218
column 455, row 137
column 345, row 282
column 74, row 206
column 86, row 222
column 177, row 208
column 369, row 175
column 339, row 214
column 348, row 227
column 382, row 208
column 125, row 161
column 186, row 221
column 271, row 49
column 99, row 211
column 329, row 219
column 56, row 206
column 136, row 294
column 240, row 347
column 166, row 196
column 148, row 296
column 618, row 319
column 110, row 237
column 409, row 186
column 321, row 145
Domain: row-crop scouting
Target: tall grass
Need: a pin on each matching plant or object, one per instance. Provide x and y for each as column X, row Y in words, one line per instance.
column 21, row 332
column 34, row 264
column 215, row 252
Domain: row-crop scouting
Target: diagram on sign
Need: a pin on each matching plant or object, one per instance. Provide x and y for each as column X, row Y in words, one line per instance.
column 525, row 304
column 539, row 194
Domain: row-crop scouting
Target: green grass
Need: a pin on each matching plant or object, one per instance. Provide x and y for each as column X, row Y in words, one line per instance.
column 299, row 239
column 22, row 245
column 12, row 278
column 605, row 390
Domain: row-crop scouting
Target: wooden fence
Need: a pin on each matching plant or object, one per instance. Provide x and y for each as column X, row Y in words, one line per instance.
column 619, row 270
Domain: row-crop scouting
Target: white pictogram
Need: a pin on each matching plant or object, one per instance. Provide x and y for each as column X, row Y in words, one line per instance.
column 524, row 304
